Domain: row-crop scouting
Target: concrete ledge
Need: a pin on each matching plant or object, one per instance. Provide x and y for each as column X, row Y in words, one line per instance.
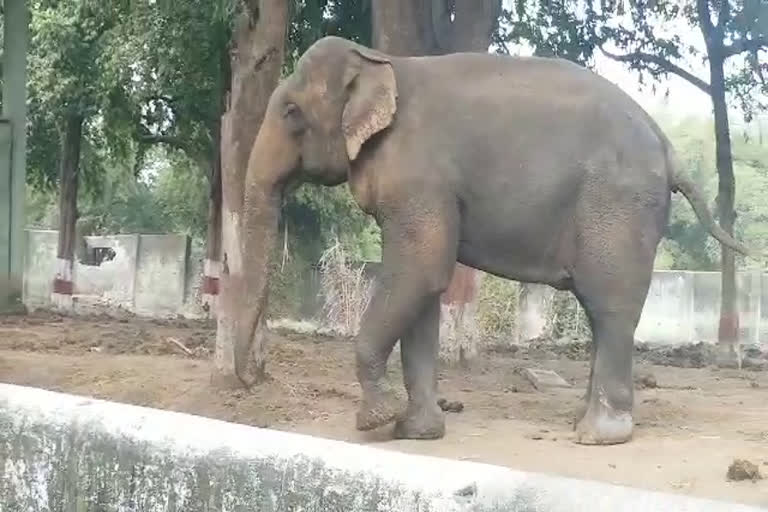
column 64, row 452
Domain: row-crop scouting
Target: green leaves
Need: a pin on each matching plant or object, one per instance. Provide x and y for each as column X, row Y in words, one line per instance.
column 71, row 71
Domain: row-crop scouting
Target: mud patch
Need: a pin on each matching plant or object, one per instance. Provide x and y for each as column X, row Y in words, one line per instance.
column 702, row 415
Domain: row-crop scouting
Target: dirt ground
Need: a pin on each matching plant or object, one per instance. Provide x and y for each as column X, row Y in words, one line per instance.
column 690, row 426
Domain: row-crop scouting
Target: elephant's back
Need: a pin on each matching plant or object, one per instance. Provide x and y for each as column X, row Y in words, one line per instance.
column 534, row 110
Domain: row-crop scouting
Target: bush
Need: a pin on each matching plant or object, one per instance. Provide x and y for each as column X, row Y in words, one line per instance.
column 498, row 302
column 498, row 307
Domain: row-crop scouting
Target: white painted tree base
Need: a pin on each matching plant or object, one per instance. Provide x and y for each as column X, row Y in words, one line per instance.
column 63, row 301
column 459, row 334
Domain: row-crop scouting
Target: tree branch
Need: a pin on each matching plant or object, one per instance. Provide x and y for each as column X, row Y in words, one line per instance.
column 163, row 139
column 705, row 19
column 724, row 14
column 664, row 65
column 743, row 45
column 159, row 97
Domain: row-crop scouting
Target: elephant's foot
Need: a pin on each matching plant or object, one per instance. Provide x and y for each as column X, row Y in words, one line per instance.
column 604, row 425
column 421, row 422
column 377, row 409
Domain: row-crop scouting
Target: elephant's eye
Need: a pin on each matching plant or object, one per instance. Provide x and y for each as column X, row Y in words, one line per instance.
column 293, row 116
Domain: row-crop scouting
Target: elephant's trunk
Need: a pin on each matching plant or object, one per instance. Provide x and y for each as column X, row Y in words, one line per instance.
column 268, row 170
column 260, row 217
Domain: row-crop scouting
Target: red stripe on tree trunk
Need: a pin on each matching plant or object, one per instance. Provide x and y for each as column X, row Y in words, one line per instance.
column 63, row 287
column 210, row 285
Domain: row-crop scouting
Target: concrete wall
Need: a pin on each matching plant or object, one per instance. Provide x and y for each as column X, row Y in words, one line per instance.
column 150, row 275
column 684, row 307
column 64, row 452
column 160, row 276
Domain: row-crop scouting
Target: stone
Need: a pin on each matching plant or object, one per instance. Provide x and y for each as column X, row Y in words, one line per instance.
column 742, row 469
column 542, row 379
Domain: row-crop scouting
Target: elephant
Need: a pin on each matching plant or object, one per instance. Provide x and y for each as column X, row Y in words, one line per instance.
column 533, row 169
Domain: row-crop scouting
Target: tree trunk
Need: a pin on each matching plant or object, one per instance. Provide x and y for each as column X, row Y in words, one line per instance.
column 424, row 27
column 533, row 311
column 472, row 25
column 728, row 331
column 256, row 61
column 69, row 163
column 404, row 27
column 212, row 264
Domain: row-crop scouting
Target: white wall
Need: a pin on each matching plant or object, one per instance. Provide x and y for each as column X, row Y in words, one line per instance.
column 67, row 452
column 159, row 276
column 150, row 275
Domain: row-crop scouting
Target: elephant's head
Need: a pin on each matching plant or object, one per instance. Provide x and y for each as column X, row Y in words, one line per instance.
column 315, row 125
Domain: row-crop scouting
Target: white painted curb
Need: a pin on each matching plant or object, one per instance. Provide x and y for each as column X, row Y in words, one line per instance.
column 65, row 452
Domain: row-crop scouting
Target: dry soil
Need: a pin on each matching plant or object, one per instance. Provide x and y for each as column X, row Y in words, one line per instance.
column 692, row 423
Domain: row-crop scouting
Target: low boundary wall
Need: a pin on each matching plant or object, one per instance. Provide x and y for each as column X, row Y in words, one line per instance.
column 162, row 276
column 64, row 452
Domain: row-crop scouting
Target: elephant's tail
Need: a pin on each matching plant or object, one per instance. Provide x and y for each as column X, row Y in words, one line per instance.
column 693, row 194
column 684, row 185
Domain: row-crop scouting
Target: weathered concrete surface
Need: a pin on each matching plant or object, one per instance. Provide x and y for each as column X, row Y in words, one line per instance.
column 150, row 275
column 39, row 267
column 66, row 453
column 161, row 275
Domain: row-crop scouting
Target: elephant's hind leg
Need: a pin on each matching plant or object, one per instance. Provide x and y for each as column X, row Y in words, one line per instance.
column 612, row 291
column 610, row 396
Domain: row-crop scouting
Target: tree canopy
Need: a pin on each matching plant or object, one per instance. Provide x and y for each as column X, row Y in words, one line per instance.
column 150, row 79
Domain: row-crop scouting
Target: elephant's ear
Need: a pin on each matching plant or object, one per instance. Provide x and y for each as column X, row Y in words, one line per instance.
column 372, row 98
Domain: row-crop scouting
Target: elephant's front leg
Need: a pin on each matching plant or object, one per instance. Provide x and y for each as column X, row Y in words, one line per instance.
column 393, row 308
column 423, row 419
column 418, row 256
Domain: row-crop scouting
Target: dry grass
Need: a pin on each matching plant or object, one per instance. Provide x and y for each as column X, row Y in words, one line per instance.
column 346, row 290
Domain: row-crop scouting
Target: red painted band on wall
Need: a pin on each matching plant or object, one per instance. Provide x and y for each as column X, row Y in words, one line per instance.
column 210, row 285
column 729, row 326
column 63, row 287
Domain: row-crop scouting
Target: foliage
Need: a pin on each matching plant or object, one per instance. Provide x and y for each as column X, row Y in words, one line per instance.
column 498, row 309
column 567, row 319
column 498, row 303
column 179, row 56
column 313, row 19
column 550, row 29
column 170, row 196
column 71, row 72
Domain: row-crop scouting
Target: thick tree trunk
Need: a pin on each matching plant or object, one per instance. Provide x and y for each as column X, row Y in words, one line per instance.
column 69, row 163
column 533, row 311
column 256, row 62
column 472, row 25
column 404, row 27
column 424, row 27
column 728, row 332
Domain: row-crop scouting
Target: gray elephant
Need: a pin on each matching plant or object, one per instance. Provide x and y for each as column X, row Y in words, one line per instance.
column 533, row 169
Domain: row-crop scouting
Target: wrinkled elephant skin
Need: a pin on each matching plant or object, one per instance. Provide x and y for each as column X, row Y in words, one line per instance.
column 533, row 169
